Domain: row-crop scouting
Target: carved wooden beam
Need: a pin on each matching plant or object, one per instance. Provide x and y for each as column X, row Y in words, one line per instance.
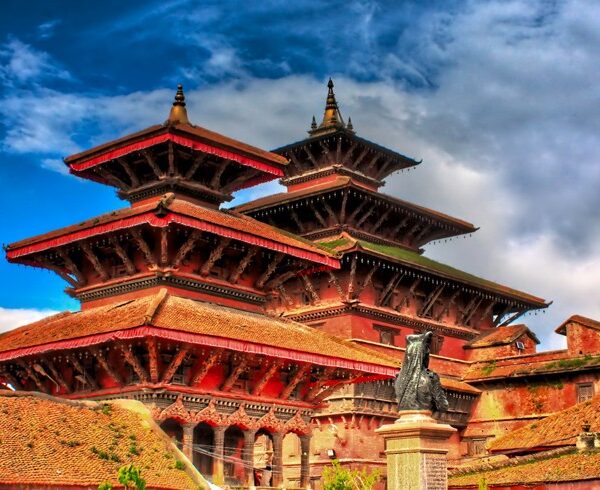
column 244, row 177
column 274, row 366
column 310, row 156
column 186, row 248
column 357, row 210
column 500, row 316
column 413, row 229
column 113, row 179
column 338, row 149
column 389, row 288
column 12, row 380
column 360, row 158
column 215, row 182
column 59, row 270
column 280, row 279
column 301, row 372
column 151, row 161
column 135, row 182
column 352, row 279
column 33, row 376
column 470, row 310
column 134, row 362
column 57, row 376
column 309, row 288
column 366, row 281
column 296, row 219
column 513, row 317
column 234, row 375
column 430, row 300
column 203, row 368
column 372, row 163
column 319, row 383
column 329, row 390
column 93, row 258
column 399, row 226
column 405, row 301
column 175, row 363
column 164, row 246
column 487, row 311
column 384, row 168
column 71, row 267
column 338, row 287
column 319, row 217
column 127, row 262
column 103, row 362
column 143, row 246
column 152, row 359
column 86, row 379
column 422, row 233
column 327, row 153
column 284, row 295
column 380, row 221
column 330, row 212
column 365, row 216
column 342, row 219
column 264, row 277
column 199, row 160
column 296, row 162
column 349, row 152
column 171, row 158
column 243, row 264
column 215, row 255
column 448, row 305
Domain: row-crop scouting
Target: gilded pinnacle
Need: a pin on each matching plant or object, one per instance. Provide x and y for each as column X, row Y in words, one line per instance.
column 178, row 114
column 332, row 117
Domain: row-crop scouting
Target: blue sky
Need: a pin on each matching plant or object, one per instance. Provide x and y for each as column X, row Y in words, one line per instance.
column 500, row 99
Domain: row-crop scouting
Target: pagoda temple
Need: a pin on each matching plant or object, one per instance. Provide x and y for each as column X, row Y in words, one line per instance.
column 173, row 296
column 386, row 288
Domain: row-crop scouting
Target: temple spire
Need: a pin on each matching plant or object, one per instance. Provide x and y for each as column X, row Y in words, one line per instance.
column 178, row 114
column 332, row 117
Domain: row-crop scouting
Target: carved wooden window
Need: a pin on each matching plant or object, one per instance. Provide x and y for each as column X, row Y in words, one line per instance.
column 476, row 447
column 387, row 336
column 585, row 392
column 436, row 343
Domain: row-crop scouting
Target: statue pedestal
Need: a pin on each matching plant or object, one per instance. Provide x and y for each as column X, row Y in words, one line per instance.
column 416, row 448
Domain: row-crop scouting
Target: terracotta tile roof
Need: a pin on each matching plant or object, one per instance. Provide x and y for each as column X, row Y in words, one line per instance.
column 50, row 442
column 541, row 469
column 582, row 320
column 344, row 244
column 528, row 365
column 196, row 132
column 340, row 183
column 202, row 323
column 559, row 429
column 168, row 204
column 501, row 336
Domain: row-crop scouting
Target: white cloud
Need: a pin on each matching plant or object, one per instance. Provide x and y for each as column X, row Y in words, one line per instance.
column 46, row 29
column 56, row 165
column 15, row 317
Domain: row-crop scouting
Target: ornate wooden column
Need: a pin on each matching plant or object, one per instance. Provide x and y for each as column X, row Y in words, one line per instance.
column 277, row 479
column 188, row 440
column 304, row 460
column 248, row 456
column 219, row 441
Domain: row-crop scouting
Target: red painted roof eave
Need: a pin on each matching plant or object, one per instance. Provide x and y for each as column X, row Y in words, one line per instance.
column 161, row 222
column 205, row 340
column 270, row 167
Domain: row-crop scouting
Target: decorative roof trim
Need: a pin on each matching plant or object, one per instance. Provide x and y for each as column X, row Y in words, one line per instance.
column 180, row 140
column 205, row 340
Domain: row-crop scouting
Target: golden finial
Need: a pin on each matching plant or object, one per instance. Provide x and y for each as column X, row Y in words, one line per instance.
column 349, row 126
column 178, row 114
column 332, row 118
column 313, row 124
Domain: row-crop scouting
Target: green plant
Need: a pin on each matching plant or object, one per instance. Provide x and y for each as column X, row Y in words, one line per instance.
column 336, row 477
column 105, row 486
column 482, row 484
column 179, row 465
column 130, row 477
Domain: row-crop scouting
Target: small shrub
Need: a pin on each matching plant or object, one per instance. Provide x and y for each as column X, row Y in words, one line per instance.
column 179, row 465
column 336, row 477
column 130, row 477
column 105, row 486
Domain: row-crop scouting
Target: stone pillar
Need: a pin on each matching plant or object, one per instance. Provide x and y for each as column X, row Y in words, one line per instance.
column 304, row 460
column 188, row 441
column 277, row 478
column 416, row 447
column 219, row 441
column 248, row 456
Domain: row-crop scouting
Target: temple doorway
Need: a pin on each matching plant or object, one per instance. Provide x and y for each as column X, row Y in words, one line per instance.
column 173, row 429
column 233, row 467
column 204, row 438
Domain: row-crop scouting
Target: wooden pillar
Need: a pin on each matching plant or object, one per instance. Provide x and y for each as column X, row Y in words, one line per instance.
column 248, row 456
column 219, row 442
column 188, row 441
column 304, row 460
column 277, row 478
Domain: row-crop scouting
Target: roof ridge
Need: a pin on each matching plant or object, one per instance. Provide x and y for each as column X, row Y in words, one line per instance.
column 154, row 305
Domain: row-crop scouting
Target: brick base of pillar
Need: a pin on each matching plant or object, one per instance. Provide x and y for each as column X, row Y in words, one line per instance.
column 416, row 448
